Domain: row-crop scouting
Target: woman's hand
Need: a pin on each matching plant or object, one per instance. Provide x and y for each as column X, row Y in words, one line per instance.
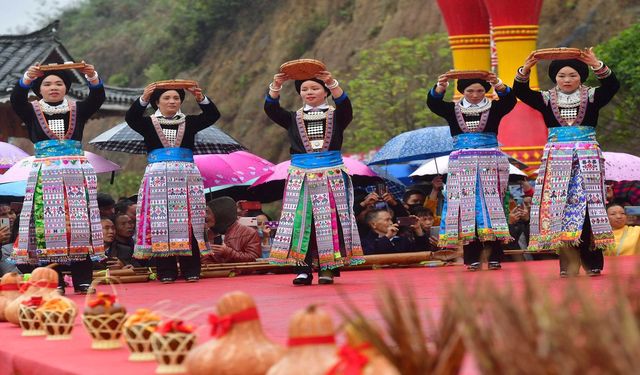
column 589, row 57
column 279, row 79
column 196, row 92
column 492, row 78
column 443, row 82
column 33, row 73
column 88, row 70
column 325, row 77
column 529, row 62
column 146, row 94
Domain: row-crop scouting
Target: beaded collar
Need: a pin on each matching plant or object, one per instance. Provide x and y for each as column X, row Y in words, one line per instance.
column 484, row 116
column 44, row 124
column 158, row 121
column 54, row 109
column 302, row 130
column 583, row 93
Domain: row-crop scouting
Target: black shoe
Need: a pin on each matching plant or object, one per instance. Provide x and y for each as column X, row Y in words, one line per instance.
column 473, row 267
column 167, row 280
column 494, row 266
column 325, row 277
column 192, row 279
column 594, row 272
column 303, row 279
column 84, row 289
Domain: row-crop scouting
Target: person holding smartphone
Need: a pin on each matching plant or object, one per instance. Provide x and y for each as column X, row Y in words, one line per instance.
column 473, row 213
column 317, row 224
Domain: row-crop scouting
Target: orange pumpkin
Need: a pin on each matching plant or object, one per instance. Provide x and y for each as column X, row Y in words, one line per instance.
column 243, row 349
column 9, row 290
column 43, row 283
column 312, row 349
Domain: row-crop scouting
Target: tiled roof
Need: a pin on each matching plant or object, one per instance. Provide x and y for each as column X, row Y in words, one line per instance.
column 19, row 52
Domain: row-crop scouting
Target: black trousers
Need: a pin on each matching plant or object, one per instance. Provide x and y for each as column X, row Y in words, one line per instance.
column 312, row 254
column 81, row 272
column 189, row 265
column 472, row 252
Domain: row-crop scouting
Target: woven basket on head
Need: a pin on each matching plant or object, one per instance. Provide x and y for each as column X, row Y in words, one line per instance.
column 561, row 53
column 467, row 74
column 302, row 68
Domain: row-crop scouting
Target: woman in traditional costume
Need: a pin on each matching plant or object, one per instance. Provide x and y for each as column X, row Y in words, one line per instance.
column 473, row 214
column 170, row 224
column 318, row 193
column 568, row 208
column 60, row 220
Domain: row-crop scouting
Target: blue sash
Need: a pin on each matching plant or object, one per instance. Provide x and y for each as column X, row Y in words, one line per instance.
column 475, row 140
column 55, row 147
column 170, row 154
column 572, row 134
column 316, row 160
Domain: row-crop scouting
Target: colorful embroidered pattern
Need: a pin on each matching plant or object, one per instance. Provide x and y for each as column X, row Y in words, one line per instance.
column 570, row 183
column 323, row 196
column 171, row 206
column 477, row 183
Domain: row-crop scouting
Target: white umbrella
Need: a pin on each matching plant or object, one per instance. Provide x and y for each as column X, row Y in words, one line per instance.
column 440, row 165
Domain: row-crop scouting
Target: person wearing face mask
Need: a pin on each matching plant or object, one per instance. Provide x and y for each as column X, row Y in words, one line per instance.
column 568, row 208
column 473, row 214
column 60, row 220
column 315, row 133
column 170, row 223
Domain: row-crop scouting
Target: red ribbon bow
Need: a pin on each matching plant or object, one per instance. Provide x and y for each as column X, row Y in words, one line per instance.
column 8, row 287
column 220, row 325
column 351, row 361
column 40, row 283
column 102, row 299
column 311, row 340
column 174, row 325
column 33, row 302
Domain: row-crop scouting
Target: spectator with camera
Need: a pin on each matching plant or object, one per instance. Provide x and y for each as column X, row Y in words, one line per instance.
column 383, row 238
column 232, row 241
column 519, row 223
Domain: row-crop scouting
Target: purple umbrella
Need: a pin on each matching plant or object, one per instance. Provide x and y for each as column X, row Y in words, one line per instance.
column 10, row 154
column 20, row 170
column 619, row 166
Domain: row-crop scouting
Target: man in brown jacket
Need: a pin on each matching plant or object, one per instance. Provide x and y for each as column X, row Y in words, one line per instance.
column 239, row 244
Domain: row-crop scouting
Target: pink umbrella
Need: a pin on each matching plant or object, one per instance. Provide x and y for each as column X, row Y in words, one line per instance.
column 10, row 154
column 230, row 169
column 619, row 166
column 270, row 186
column 20, row 170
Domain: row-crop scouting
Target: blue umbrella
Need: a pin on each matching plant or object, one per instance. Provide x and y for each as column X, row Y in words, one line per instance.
column 425, row 143
column 14, row 189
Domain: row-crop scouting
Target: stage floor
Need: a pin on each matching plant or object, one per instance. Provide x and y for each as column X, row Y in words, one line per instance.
column 276, row 298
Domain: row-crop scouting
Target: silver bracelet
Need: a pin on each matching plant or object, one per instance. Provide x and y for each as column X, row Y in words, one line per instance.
column 334, row 85
column 272, row 88
column 93, row 77
column 498, row 83
column 600, row 66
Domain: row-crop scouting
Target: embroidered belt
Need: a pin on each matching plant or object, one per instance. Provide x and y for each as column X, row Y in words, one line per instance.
column 170, row 154
column 572, row 134
column 317, row 160
column 54, row 147
column 475, row 140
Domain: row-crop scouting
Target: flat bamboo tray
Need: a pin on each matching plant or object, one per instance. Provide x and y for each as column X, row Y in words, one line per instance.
column 70, row 65
column 561, row 53
column 173, row 84
column 467, row 74
column 302, row 68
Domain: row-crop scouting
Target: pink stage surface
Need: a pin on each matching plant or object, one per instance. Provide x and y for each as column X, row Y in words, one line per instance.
column 276, row 298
